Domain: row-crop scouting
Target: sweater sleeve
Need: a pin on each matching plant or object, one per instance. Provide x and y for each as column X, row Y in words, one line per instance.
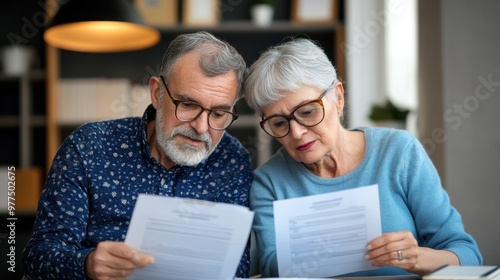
column 261, row 202
column 438, row 223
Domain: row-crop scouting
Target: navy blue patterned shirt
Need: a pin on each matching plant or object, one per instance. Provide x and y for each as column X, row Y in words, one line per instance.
column 95, row 179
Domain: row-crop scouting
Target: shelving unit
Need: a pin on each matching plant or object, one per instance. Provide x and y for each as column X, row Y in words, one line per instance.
column 23, row 112
column 22, row 125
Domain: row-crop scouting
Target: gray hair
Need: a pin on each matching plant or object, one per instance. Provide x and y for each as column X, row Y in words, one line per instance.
column 216, row 56
column 287, row 67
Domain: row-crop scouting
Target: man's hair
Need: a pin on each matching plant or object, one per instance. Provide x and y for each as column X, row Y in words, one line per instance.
column 216, row 56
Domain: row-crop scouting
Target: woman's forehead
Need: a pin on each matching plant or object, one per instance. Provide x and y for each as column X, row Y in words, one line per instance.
column 290, row 100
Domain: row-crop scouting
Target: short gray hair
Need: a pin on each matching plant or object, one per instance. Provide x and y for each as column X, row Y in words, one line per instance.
column 216, row 56
column 287, row 67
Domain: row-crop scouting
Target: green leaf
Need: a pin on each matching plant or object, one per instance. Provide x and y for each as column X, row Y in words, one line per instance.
column 388, row 111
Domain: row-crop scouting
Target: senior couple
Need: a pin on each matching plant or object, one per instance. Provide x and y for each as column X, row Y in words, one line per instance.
column 180, row 148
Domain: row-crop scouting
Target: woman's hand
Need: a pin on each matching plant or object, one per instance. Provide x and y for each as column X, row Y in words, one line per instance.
column 115, row 260
column 394, row 249
column 401, row 249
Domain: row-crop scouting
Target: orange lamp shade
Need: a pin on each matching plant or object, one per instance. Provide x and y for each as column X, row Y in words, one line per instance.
column 99, row 26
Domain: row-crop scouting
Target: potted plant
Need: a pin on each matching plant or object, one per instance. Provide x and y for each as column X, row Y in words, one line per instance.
column 262, row 12
column 389, row 115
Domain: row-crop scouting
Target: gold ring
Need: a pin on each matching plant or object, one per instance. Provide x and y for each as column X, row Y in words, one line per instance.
column 400, row 255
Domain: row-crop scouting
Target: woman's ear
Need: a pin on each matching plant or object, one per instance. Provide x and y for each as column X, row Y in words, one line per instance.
column 154, row 90
column 339, row 91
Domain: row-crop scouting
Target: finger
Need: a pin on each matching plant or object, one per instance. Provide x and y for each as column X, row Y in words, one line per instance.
column 401, row 258
column 143, row 260
column 405, row 258
column 131, row 257
column 112, row 255
column 390, row 247
column 119, row 250
column 394, row 242
column 111, row 273
column 388, row 238
column 114, row 260
column 99, row 266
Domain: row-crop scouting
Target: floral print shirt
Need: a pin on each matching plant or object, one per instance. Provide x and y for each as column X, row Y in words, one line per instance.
column 95, row 179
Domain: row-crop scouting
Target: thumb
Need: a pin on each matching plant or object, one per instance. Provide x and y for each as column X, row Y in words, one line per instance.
column 143, row 259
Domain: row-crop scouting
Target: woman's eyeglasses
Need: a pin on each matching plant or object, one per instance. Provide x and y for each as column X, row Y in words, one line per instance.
column 308, row 115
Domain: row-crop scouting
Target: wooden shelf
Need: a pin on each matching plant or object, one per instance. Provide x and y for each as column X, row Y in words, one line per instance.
column 13, row 121
column 9, row 121
column 249, row 27
column 35, row 75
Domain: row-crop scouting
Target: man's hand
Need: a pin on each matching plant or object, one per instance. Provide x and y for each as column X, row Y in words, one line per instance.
column 115, row 260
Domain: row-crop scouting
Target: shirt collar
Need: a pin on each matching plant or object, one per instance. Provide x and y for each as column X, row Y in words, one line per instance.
column 149, row 115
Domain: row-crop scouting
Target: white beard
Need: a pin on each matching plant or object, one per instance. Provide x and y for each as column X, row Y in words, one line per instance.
column 182, row 154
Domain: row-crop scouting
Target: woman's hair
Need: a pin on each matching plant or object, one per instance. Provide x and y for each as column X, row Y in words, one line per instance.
column 287, row 67
column 216, row 56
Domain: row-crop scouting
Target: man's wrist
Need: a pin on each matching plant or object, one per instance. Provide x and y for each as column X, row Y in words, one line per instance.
column 88, row 265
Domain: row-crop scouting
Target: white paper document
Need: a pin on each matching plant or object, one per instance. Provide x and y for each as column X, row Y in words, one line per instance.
column 189, row 239
column 326, row 235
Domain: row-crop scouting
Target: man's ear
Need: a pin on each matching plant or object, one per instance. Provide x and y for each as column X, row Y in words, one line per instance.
column 154, row 90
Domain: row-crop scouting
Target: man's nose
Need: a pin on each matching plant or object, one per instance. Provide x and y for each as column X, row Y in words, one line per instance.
column 200, row 124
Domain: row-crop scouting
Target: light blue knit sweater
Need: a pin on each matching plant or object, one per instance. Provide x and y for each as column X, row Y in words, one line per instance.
column 411, row 197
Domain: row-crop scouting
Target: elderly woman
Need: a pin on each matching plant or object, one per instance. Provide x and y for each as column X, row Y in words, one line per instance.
column 295, row 88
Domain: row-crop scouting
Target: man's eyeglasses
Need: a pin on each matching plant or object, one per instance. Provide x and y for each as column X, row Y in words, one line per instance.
column 186, row 111
column 308, row 115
